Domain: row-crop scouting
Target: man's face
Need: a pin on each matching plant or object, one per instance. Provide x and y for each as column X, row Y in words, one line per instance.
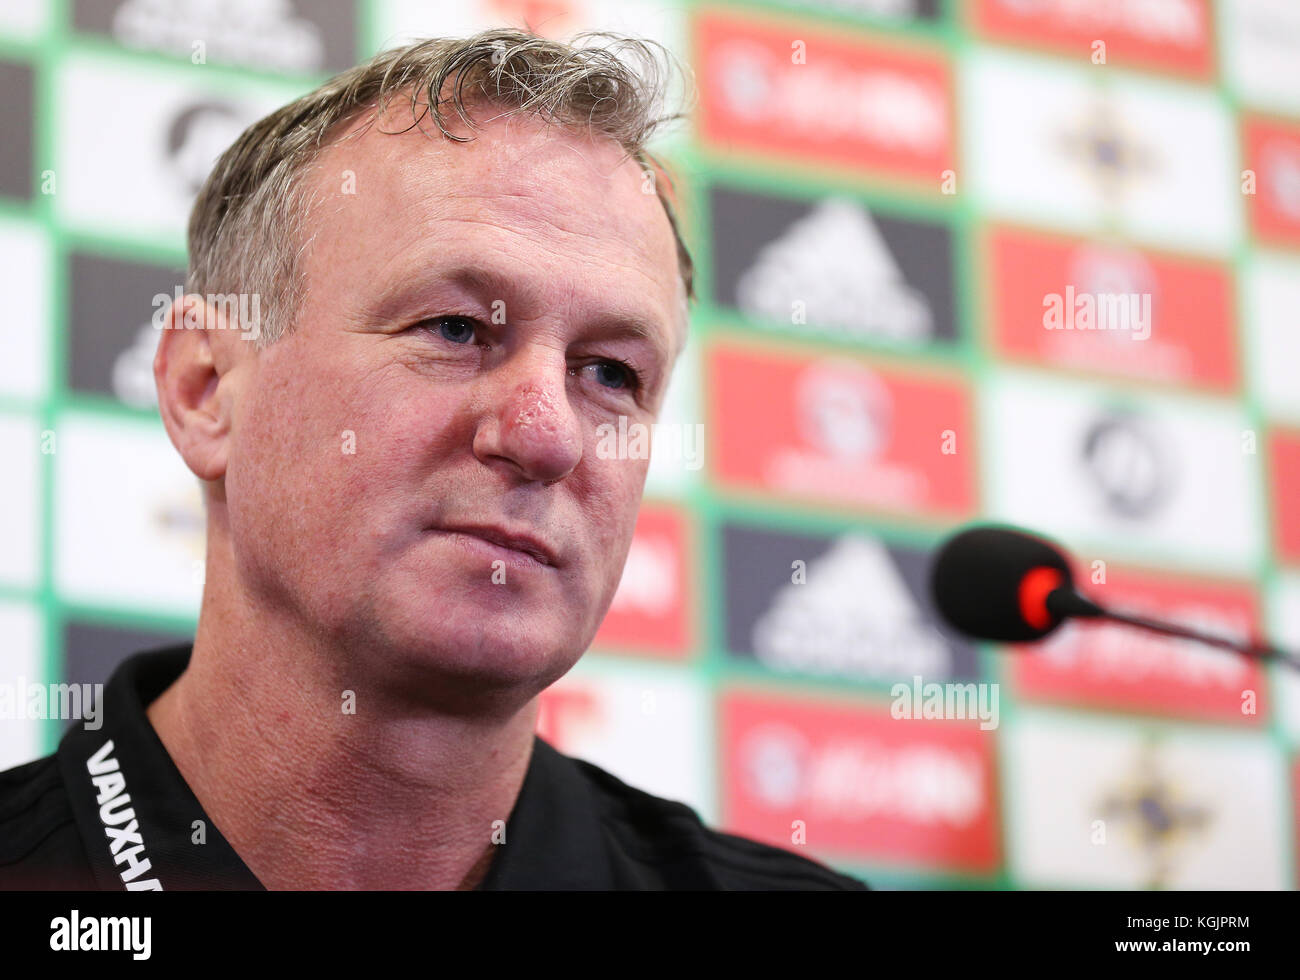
column 414, row 469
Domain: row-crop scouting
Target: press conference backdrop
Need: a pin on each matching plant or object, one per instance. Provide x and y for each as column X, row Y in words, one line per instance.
column 1025, row 260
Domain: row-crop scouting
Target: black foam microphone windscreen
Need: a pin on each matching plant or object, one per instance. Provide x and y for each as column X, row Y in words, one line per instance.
column 992, row 583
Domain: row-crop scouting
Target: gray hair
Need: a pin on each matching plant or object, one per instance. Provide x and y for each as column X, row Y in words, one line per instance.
column 246, row 230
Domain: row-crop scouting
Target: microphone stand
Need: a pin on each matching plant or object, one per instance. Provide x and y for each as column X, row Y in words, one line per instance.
column 1066, row 603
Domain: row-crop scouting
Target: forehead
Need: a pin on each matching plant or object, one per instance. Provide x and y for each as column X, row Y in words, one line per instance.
column 548, row 202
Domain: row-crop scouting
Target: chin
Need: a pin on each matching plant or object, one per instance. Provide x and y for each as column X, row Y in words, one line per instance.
column 496, row 646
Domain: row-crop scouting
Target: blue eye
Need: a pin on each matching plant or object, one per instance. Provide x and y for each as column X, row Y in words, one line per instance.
column 614, row 374
column 457, row 329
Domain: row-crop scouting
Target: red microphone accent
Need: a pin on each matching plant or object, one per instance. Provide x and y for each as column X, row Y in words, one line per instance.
column 1035, row 587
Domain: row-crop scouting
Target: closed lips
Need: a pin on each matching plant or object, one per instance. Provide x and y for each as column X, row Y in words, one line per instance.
column 515, row 541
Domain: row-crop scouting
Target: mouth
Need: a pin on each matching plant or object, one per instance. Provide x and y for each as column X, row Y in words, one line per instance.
column 522, row 544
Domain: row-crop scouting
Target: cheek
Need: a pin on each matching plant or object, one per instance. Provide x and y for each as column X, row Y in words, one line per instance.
column 612, row 512
column 419, row 424
column 299, row 458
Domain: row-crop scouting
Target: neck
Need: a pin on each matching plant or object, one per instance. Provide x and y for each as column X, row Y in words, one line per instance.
column 318, row 789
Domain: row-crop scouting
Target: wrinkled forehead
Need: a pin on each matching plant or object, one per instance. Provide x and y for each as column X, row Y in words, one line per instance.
column 509, row 147
column 544, row 176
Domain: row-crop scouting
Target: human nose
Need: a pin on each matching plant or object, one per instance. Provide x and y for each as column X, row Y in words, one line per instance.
column 530, row 424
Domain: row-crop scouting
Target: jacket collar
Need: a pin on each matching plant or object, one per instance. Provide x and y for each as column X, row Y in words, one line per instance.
column 142, row 826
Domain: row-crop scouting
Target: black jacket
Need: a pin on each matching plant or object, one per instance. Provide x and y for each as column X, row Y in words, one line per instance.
column 109, row 810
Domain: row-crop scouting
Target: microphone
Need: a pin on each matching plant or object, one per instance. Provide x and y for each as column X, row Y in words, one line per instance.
column 1008, row 586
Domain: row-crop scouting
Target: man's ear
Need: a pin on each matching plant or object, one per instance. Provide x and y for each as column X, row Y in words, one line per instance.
column 197, row 351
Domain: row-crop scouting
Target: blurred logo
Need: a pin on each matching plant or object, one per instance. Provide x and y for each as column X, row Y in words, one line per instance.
column 196, row 136
column 111, row 338
column 1126, row 464
column 844, row 410
column 1157, row 818
column 1106, row 271
column 858, row 103
column 823, row 626
column 650, row 578
column 1282, row 166
column 746, row 79
column 649, row 612
column 834, row 429
column 862, row 783
column 835, row 262
column 264, row 33
column 1273, row 157
column 133, row 370
column 1113, row 157
column 776, row 761
column 833, row 265
column 1261, row 52
column 877, row 105
column 1182, row 306
column 180, row 516
column 1096, row 151
column 1163, row 34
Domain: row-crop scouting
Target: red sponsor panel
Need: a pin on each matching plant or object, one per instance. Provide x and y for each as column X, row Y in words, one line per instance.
column 1073, row 303
column 1273, row 156
column 861, row 784
column 1167, row 35
column 841, row 430
column 565, row 710
column 650, row 611
column 1284, row 463
column 853, row 101
column 1109, row 665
